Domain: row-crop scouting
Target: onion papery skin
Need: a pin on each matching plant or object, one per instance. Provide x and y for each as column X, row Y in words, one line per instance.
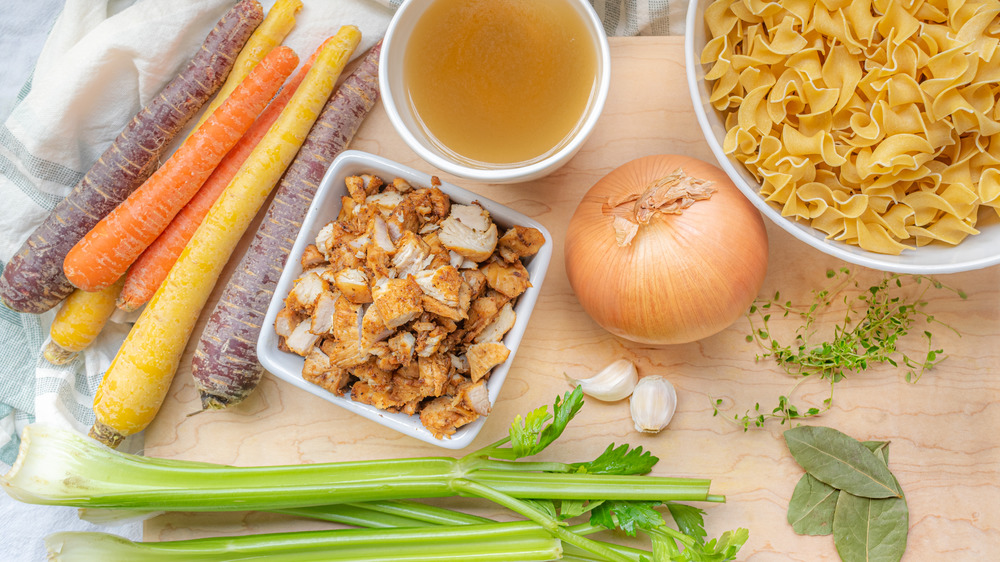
column 683, row 277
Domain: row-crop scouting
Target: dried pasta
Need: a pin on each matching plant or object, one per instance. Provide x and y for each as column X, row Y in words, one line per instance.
column 876, row 122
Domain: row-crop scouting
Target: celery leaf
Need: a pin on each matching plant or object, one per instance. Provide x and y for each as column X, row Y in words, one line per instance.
column 620, row 460
column 530, row 436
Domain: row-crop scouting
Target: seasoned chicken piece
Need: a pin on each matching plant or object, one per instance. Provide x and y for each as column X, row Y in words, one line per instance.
column 482, row 312
column 324, row 313
column 344, row 353
column 332, row 236
column 372, row 183
column 434, row 372
column 475, row 397
column 400, row 185
column 347, row 320
column 398, row 300
column 431, row 204
column 501, row 324
column 305, row 292
column 385, row 201
column 379, row 264
column 369, row 372
column 286, row 321
column 477, row 282
column 441, row 284
column 519, row 242
column 439, row 254
column 442, row 418
column 403, row 219
column 319, row 371
column 301, row 340
column 460, row 363
column 353, row 284
column 469, row 231
column 373, row 329
column 356, row 216
column 356, row 188
column 411, row 255
column 379, row 234
column 378, row 397
column 402, row 346
column 428, row 343
column 510, row 279
column 484, row 356
column 311, row 256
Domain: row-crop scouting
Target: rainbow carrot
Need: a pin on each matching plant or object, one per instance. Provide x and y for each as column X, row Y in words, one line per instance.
column 80, row 319
column 107, row 251
column 269, row 34
column 138, row 379
column 151, row 268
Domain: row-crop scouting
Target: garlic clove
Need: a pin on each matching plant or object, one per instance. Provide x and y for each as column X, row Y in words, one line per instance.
column 614, row 382
column 653, row 403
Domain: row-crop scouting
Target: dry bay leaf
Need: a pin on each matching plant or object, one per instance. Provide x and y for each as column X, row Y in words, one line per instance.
column 871, row 530
column 841, row 461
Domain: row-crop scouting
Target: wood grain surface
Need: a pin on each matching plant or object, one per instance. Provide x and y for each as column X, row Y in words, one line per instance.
column 945, row 429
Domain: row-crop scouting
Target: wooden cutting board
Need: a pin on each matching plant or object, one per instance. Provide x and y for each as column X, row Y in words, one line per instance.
column 943, row 429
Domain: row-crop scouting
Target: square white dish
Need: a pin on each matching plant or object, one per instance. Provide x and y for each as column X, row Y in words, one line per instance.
column 325, row 208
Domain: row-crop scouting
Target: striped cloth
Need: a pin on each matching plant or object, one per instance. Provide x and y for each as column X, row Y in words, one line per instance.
column 99, row 62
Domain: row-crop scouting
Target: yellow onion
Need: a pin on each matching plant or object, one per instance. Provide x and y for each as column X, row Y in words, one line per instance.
column 665, row 250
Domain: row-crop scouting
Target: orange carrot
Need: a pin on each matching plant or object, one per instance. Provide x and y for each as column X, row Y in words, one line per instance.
column 151, row 268
column 106, row 252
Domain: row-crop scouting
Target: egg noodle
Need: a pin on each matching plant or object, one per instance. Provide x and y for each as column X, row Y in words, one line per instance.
column 875, row 122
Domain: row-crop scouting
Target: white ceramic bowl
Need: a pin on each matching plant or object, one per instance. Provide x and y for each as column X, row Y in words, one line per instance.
column 975, row 252
column 324, row 208
column 394, row 99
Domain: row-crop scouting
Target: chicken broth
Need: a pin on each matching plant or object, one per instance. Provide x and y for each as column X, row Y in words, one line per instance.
column 500, row 81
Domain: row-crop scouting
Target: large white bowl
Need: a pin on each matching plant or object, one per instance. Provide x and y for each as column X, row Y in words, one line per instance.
column 396, row 104
column 975, row 252
column 324, row 208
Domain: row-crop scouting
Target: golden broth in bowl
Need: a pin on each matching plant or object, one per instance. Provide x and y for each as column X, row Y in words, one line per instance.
column 500, row 82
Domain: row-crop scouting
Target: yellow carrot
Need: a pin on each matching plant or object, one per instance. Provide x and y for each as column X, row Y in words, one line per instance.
column 78, row 322
column 137, row 381
column 269, row 34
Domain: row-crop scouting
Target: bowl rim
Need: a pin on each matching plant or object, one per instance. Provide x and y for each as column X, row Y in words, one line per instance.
column 279, row 363
column 501, row 175
column 804, row 233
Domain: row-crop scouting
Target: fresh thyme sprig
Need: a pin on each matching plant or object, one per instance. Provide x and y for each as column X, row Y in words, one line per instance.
column 875, row 320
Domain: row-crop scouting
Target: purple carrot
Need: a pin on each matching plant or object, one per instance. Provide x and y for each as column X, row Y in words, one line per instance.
column 225, row 365
column 33, row 280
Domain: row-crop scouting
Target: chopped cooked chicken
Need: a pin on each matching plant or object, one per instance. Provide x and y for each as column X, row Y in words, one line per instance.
column 434, row 372
column 441, row 284
column 305, row 292
column 404, row 301
column 398, row 300
column 476, row 281
column 403, row 219
column 443, row 418
column 285, row 322
column 519, row 242
column 324, row 313
column 332, row 236
column 484, row 356
column 411, row 255
column 511, row 279
column 501, row 324
column 353, row 284
column 482, row 312
column 301, row 340
column 402, row 346
column 311, row 256
column 373, row 328
column 469, row 231
column 319, row 371
column 428, row 343
column 356, row 188
column 475, row 397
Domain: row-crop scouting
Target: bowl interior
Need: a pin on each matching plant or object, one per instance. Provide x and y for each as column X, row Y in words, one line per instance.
column 394, row 97
column 324, row 208
column 975, row 252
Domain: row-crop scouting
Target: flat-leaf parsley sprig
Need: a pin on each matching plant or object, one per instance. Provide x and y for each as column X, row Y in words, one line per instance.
column 876, row 318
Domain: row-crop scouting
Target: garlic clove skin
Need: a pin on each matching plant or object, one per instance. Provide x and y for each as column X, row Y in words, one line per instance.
column 653, row 404
column 614, row 382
